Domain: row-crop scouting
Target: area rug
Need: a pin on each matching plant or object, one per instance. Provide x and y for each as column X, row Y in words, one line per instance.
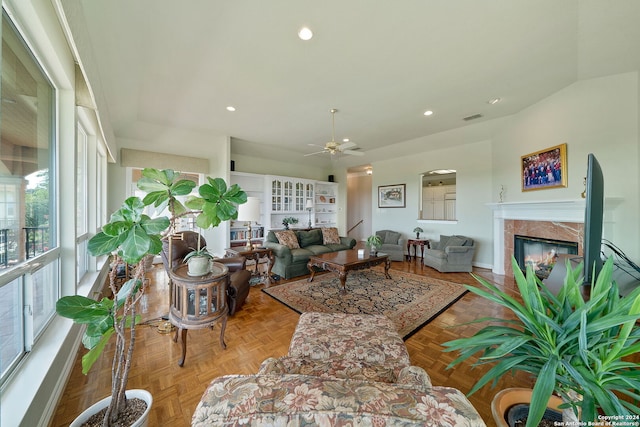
column 409, row 300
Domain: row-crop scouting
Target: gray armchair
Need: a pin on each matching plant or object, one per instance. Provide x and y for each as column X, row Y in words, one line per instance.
column 392, row 244
column 450, row 254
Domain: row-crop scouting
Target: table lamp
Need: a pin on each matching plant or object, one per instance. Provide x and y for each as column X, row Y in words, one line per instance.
column 308, row 207
column 249, row 212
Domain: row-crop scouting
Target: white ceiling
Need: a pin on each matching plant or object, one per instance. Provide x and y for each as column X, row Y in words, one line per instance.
column 381, row 64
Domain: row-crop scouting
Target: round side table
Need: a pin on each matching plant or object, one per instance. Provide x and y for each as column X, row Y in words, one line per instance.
column 198, row 302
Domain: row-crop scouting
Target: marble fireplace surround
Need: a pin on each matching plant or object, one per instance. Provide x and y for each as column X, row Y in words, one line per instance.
column 554, row 219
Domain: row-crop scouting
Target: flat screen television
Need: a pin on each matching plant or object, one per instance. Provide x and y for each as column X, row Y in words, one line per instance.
column 593, row 218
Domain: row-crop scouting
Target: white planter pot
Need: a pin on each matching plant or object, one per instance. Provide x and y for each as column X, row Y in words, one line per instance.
column 198, row 265
column 97, row 407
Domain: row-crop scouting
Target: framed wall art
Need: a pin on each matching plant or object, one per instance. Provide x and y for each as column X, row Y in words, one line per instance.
column 544, row 169
column 392, row 196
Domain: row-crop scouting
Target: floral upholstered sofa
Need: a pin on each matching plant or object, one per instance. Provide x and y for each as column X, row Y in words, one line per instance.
column 341, row 370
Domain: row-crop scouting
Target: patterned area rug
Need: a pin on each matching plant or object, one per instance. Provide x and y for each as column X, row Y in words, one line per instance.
column 409, row 300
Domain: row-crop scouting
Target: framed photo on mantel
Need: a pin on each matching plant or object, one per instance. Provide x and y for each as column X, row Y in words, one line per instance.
column 391, row 196
column 545, row 168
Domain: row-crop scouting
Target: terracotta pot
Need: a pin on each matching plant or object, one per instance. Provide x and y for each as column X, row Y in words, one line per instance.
column 506, row 398
column 97, row 407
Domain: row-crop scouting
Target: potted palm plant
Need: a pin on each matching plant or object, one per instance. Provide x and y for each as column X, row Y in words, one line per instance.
column 574, row 347
column 374, row 242
column 198, row 260
column 128, row 237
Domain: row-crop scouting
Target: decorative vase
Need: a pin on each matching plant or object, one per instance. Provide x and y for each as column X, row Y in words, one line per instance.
column 198, row 266
column 417, row 235
column 373, row 250
column 99, row 406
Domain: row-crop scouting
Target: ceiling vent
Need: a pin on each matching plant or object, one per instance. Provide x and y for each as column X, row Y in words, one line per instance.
column 472, row 117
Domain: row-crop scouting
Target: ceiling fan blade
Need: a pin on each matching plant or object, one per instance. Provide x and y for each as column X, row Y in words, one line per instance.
column 317, row 152
column 316, row 145
column 353, row 152
column 346, row 145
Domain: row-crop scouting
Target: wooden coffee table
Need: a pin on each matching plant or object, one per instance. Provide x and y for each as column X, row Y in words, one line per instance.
column 342, row 262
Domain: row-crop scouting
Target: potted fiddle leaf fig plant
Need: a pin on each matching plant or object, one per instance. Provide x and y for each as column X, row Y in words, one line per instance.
column 574, row 347
column 215, row 203
column 128, row 238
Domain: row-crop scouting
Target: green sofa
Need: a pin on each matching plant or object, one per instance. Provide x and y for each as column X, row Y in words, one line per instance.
column 293, row 262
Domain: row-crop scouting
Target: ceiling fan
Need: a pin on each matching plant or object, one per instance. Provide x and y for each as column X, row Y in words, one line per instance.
column 332, row 147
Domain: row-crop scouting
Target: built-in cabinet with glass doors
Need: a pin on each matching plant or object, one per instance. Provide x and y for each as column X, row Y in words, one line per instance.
column 284, row 197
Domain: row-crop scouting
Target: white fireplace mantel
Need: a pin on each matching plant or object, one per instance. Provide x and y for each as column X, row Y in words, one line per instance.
column 552, row 210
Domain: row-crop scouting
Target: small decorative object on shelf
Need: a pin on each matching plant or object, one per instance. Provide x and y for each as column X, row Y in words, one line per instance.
column 289, row 220
column 417, row 230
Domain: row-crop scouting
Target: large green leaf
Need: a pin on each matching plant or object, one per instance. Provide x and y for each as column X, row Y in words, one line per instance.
column 135, row 246
column 542, row 391
column 82, row 309
column 92, row 355
column 182, row 187
column 103, row 244
column 155, row 225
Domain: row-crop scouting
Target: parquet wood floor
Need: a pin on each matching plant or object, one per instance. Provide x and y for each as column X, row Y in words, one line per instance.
column 262, row 328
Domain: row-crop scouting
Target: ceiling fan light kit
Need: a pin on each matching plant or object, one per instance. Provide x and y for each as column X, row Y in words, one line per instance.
column 332, row 147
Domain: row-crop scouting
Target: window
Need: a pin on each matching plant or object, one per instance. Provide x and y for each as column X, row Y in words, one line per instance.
column 29, row 264
column 438, row 195
column 82, row 201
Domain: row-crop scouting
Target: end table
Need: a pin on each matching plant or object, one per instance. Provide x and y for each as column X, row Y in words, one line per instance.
column 415, row 243
column 198, row 302
column 255, row 254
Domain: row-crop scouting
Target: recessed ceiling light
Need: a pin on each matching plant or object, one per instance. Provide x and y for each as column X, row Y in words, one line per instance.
column 493, row 101
column 305, row 33
column 345, row 139
column 231, row 108
column 428, row 113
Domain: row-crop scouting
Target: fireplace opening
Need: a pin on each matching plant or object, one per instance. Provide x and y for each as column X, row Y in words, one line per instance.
column 541, row 254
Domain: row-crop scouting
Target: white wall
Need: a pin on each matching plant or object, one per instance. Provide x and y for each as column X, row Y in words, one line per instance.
column 598, row 116
column 473, row 184
column 265, row 166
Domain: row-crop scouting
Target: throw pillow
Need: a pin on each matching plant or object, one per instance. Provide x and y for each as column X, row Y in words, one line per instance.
column 443, row 242
column 288, row 238
column 391, row 238
column 311, row 237
column 330, row 236
column 456, row 241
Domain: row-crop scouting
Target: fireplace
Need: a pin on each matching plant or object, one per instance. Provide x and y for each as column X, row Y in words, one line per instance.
column 557, row 219
column 540, row 253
